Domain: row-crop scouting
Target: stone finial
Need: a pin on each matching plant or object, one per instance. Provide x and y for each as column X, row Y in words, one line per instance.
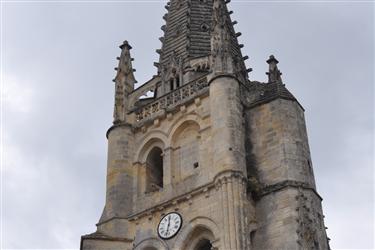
column 124, row 82
column 274, row 74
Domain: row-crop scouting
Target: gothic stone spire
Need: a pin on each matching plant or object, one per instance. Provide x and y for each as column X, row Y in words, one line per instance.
column 194, row 30
column 124, row 82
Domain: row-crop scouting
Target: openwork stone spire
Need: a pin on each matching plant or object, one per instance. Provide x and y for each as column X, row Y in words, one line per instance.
column 124, row 82
column 198, row 37
column 182, row 32
column 274, row 74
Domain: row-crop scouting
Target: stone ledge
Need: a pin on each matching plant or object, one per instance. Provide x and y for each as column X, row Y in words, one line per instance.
column 118, row 126
column 100, row 236
column 285, row 184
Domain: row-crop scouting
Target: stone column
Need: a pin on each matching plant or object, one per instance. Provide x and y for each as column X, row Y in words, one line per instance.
column 167, row 165
column 230, row 186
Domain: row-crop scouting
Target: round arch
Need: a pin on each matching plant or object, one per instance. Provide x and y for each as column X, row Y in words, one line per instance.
column 179, row 124
column 144, row 149
column 194, row 231
column 180, row 127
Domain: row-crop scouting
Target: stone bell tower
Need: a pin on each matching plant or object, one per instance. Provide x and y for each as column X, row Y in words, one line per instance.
column 212, row 160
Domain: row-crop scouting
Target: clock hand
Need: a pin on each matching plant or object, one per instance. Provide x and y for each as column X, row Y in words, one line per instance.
column 169, row 220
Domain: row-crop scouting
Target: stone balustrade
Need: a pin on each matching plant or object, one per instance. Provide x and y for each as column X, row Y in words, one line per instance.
column 170, row 100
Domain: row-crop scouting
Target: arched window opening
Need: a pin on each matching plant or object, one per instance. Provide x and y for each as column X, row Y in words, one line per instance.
column 199, row 239
column 203, row 244
column 154, row 170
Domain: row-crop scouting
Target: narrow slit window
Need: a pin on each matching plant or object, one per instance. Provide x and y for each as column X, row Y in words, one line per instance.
column 177, row 82
column 171, row 84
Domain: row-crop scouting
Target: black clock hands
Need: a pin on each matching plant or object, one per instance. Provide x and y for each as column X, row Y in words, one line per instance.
column 169, row 221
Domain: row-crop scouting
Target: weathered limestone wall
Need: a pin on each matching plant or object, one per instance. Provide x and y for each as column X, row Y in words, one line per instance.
column 207, row 213
column 204, row 177
column 201, row 209
column 279, row 142
column 276, row 215
column 227, row 125
column 175, row 134
column 120, row 177
column 280, row 154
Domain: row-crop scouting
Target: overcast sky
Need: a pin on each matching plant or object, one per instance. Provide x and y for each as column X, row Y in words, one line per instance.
column 58, row 61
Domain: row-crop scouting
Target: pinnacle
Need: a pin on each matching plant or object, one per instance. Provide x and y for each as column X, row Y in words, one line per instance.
column 125, row 69
column 274, row 74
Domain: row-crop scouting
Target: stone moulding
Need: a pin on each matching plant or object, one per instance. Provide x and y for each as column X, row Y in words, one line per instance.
column 173, row 99
column 285, row 184
column 116, row 126
column 100, row 236
column 254, row 94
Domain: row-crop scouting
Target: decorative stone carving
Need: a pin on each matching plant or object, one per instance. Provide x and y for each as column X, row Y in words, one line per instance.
column 179, row 96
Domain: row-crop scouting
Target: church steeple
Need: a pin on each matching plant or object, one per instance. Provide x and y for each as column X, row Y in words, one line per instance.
column 198, row 34
column 186, row 32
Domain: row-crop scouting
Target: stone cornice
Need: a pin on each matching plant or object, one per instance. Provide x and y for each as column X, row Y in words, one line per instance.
column 222, row 75
column 226, row 175
column 118, row 126
column 103, row 237
column 286, row 184
column 267, row 100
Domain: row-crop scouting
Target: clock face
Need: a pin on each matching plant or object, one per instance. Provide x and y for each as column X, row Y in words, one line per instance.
column 169, row 225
